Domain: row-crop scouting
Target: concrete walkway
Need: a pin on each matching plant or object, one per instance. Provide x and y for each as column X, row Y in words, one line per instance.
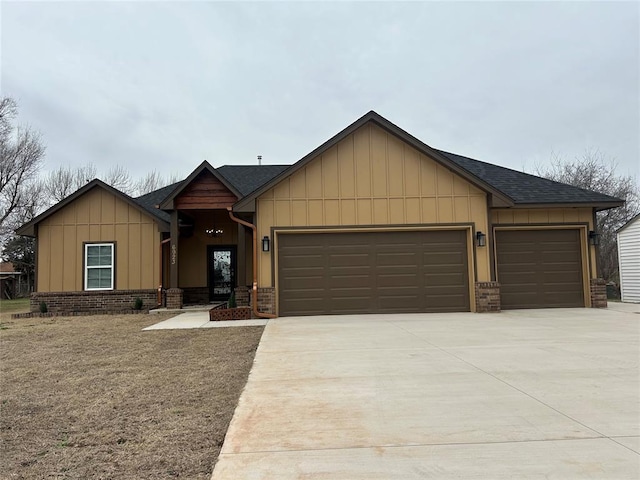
column 199, row 319
column 520, row 394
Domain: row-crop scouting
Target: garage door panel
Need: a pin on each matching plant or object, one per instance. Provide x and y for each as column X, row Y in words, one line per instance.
column 539, row 268
column 348, row 260
column 396, row 258
column 445, row 280
column 396, row 281
column 350, row 281
column 368, row 272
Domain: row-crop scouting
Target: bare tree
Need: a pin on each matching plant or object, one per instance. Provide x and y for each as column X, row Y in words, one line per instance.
column 594, row 171
column 63, row 181
column 120, row 178
column 21, row 156
column 154, row 181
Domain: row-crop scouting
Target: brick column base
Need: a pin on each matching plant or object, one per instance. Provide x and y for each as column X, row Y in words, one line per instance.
column 242, row 296
column 598, row 290
column 487, row 297
column 266, row 300
column 174, row 298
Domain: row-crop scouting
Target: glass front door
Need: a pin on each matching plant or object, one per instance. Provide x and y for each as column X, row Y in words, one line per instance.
column 222, row 271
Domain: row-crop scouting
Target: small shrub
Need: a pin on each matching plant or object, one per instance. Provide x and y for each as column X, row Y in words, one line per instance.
column 43, row 307
column 137, row 304
column 232, row 301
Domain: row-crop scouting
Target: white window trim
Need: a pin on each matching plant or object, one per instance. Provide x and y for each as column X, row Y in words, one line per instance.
column 87, row 267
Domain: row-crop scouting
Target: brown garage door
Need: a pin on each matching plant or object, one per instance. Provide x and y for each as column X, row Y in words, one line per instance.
column 539, row 268
column 372, row 272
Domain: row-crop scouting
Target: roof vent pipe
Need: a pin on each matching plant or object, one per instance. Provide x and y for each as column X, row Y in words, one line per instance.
column 259, row 159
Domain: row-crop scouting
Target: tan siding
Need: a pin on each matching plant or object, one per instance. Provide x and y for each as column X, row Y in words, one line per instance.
column 70, row 258
column 542, row 216
column 97, row 216
column 347, row 167
column 371, row 178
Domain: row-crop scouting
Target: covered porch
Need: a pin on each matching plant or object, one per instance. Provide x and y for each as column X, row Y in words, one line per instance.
column 206, row 255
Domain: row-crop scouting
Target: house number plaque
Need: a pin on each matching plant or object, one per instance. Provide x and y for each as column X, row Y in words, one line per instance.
column 174, row 253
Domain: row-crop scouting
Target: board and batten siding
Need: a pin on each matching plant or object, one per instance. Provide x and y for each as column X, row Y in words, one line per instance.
column 629, row 261
column 371, row 178
column 97, row 216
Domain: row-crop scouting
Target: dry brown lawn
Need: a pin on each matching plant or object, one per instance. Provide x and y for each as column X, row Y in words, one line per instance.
column 95, row 397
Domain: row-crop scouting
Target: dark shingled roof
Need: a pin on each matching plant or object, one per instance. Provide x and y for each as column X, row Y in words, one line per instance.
column 523, row 188
column 150, row 200
column 247, row 178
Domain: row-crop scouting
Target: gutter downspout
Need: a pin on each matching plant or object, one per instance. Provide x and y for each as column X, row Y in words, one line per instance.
column 159, row 299
column 255, row 264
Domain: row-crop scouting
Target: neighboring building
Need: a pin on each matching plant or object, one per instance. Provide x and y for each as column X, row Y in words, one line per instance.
column 373, row 220
column 9, row 279
column 629, row 260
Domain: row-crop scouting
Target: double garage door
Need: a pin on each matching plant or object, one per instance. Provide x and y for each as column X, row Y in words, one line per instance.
column 539, row 268
column 372, row 272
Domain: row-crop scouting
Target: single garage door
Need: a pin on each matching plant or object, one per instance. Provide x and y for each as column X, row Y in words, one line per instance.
column 539, row 268
column 372, row 272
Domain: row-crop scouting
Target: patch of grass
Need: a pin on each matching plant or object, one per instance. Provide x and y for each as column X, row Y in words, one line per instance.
column 96, row 397
column 17, row 305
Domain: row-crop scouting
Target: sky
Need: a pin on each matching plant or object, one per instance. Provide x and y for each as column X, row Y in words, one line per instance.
column 165, row 85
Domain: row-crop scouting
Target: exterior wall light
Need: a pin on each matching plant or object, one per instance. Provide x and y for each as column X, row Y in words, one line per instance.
column 265, row 244
column 481, row 239
column 594, row 238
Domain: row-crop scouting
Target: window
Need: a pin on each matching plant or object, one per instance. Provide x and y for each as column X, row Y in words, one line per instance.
column 98, row 266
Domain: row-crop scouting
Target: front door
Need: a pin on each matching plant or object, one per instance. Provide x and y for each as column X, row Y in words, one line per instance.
column 221, row 268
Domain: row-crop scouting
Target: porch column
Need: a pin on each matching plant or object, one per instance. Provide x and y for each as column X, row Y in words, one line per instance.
column 174, row 294
column 242, row 257
column 173, row 251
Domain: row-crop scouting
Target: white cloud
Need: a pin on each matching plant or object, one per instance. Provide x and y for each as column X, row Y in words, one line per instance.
column 165, row 85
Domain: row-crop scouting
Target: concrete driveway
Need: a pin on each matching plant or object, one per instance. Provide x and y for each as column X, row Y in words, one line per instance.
column 520, row 394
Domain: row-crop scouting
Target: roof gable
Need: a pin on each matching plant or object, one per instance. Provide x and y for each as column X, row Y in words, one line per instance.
column 28, row 229
column 203, row 170
column 248, row 203
column 507, row 188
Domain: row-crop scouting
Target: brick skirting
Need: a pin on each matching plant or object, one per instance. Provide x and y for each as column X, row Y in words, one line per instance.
column 195, row 295
column 487, row 297
column 242, row 296
column 97, row 301
column 174, row 298
column 598, row 291
column 267, row 300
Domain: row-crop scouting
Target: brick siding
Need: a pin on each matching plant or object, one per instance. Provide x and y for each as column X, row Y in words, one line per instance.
column 598, row 290
column 487, row 297
column 242, row 296
column 195, row 295
column 174, row 298
column 267, row 300
column 97, row 301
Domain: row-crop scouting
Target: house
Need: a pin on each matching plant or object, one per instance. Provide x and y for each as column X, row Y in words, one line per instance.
column 629, row 260
column 371, row 221
column 8, row 279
